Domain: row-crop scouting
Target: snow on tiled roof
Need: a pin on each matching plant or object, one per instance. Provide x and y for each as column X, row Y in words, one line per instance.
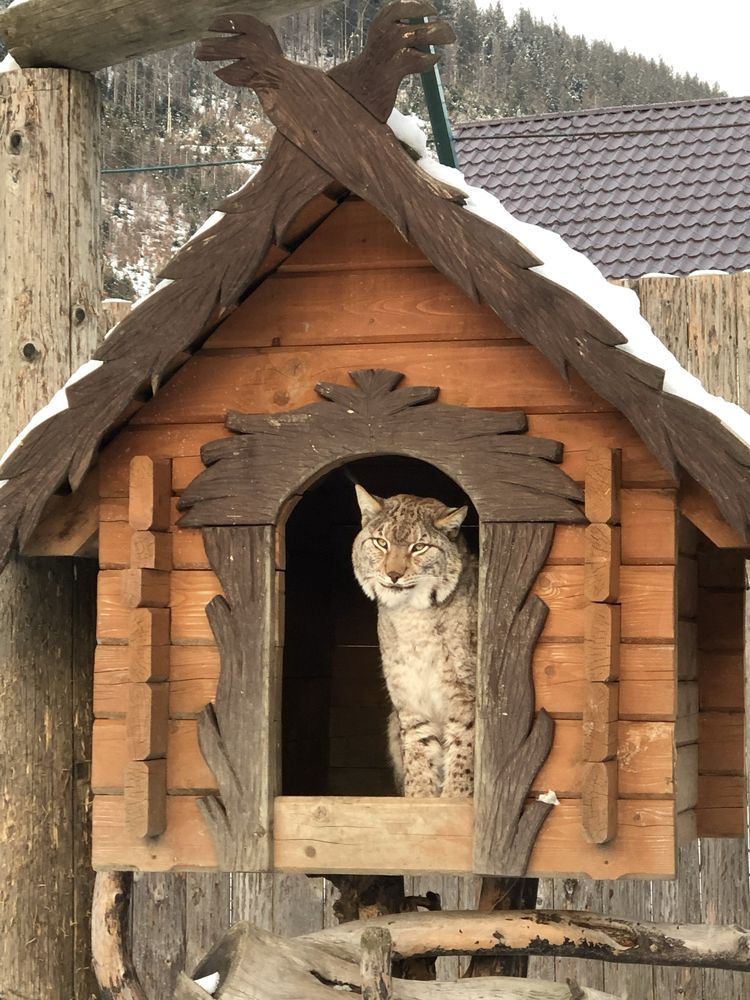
column 656, row 188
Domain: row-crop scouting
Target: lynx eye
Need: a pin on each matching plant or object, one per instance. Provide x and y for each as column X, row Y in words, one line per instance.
column 381, row 543
column 418, row 547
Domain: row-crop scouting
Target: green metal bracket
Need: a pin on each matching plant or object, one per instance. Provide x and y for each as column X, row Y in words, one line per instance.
column 441, row 126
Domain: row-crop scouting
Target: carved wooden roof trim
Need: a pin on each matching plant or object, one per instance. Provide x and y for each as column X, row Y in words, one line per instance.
column 508, row 475
column 331, row 128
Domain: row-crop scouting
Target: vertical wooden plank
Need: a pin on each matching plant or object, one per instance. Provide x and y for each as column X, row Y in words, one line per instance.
column 511, row 741
column 157, row 931
column 726, row 898
column 580, row 894
column 146, row 797
column 237, row 734
column 206, row 913
column 630, row 899
column 679, row 901
column 252, row 898
column 49, row 163
column 150, row 493
column 601, row 586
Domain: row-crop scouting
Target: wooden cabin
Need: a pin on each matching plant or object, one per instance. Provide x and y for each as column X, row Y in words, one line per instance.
column 300, row 343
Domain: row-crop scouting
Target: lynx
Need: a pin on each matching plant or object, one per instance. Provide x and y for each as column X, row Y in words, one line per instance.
column 411, row 559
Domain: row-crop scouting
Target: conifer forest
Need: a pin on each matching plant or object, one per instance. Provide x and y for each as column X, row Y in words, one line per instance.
column 167, row 109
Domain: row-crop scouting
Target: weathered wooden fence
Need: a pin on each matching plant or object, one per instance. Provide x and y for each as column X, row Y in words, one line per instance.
column 705, row 320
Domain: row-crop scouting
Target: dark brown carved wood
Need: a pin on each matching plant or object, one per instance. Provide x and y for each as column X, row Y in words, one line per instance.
column 331, row 130
column 488, row 264
column 236, row 733
column 512, row 742
column 215, row 268
column 508, row 475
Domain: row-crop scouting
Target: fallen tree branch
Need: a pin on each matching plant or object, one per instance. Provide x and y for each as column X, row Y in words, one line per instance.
column 564, row 933
column 256, row 965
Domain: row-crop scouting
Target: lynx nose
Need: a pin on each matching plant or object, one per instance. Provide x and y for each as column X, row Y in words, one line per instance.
column 395, row 576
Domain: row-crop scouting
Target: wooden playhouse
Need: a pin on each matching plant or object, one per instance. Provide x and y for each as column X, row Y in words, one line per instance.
column 300, row 342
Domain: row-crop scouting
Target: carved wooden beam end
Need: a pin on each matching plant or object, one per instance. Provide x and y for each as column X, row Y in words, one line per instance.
column 395, row 48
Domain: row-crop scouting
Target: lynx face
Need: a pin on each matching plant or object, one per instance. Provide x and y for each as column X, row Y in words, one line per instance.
column 408, row 553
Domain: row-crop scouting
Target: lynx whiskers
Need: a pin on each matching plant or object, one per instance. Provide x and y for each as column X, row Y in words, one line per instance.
column 411, row 558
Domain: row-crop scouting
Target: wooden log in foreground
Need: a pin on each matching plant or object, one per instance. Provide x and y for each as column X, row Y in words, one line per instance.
column 113, row 967
column 562, row 933
column 77, row 35
column 256, row 965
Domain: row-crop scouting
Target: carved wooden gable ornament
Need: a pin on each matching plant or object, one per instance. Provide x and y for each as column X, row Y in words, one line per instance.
column 519, row 493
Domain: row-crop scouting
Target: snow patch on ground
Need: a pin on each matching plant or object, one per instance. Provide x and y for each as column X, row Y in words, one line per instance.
column 573, row 271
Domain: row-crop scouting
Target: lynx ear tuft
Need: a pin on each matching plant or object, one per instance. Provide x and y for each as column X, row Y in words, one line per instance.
column 368, row 504
column 451, row 521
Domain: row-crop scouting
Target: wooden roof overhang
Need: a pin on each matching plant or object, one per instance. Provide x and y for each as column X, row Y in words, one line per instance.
column 332, row 138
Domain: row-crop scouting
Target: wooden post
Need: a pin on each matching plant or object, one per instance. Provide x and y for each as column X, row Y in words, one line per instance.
column 49, row 294
column 601, row 585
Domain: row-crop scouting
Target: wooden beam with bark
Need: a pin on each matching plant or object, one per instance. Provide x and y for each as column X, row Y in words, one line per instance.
column 257, row 965
column 77, row 35
column 562, row 933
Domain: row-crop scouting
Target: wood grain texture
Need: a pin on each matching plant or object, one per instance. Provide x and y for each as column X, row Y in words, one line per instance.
column 146, row 797
column 461, row 248
column 347, row 835
column 48, row 171
column 603, row 477
column 237, row 732
column 149, row 493
column 512, row 741
column 509, row 476
column 147, row 718
column 599, row 801
column 497, row 375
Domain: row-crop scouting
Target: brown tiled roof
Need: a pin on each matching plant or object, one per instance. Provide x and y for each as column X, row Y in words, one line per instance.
column 661, row 187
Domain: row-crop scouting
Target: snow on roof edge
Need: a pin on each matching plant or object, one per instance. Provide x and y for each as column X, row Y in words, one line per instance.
column 570, row 269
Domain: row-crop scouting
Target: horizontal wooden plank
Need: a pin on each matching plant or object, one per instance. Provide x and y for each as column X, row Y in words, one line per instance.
column 647, row 680
column 422, row 835
column 721, row 743
column 721, row 682
column 581, row 431
column 164, row 441
column 190, row 592
column 354, row 235
column 721, row 620
column 492, row 376
column 193, row 679
column 647, row 596
column 186, row 843
column 340, row 307
column 721, row 805
column 186, row 769
column 649, row 526
column 373, row 835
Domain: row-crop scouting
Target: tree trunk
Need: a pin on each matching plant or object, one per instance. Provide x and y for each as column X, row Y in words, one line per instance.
column 49, row 294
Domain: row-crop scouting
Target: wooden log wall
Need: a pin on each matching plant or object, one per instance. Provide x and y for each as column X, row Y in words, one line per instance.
column 171, row 911
column 703, row 319
column 351, row 295
column 49, row 325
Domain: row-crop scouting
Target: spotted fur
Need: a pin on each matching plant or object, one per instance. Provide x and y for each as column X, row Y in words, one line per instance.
column 411, row 559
